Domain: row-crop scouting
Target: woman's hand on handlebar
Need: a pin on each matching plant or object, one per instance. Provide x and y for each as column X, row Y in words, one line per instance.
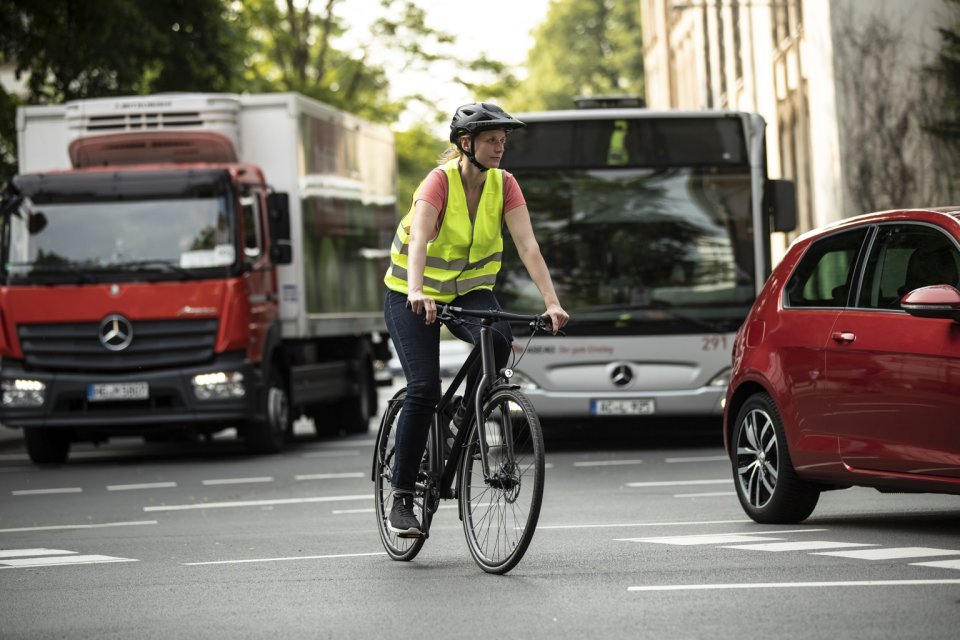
column 422, row 305
column 558, row 317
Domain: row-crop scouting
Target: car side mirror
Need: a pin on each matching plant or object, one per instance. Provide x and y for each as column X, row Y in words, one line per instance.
column 938, row 301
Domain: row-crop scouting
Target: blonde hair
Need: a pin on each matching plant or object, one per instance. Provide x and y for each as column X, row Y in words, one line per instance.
column 449, row 154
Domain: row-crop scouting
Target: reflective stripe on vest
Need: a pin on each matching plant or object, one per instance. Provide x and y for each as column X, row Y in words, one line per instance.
column 464, row 255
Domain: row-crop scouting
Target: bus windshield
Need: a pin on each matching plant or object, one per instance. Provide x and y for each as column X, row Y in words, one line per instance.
column 639, row 249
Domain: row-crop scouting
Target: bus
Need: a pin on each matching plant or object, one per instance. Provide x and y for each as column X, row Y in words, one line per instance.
column 655, row 226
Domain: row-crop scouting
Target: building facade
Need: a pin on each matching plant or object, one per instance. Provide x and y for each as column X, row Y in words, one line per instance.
column 844, row 86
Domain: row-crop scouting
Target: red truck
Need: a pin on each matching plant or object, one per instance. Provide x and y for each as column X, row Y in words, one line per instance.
column 180, row 264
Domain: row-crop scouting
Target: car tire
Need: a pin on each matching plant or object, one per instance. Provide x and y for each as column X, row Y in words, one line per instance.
column 769, row 489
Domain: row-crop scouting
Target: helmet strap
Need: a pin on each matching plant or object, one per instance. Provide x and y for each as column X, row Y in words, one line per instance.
column 471, row 156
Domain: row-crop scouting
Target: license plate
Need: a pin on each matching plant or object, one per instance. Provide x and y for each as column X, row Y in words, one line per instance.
column 639, row 407
column 112, row 391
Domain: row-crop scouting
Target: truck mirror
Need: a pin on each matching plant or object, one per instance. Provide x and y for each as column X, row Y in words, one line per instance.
column 281, row 253
column 780, row 202
column 36, row 222
column 278, row 212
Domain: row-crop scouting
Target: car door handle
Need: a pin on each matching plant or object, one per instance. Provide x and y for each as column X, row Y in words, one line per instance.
column 843, row 336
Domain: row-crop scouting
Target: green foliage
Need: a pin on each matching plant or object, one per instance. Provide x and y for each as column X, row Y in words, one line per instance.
column 584, row 47
column 418, row 150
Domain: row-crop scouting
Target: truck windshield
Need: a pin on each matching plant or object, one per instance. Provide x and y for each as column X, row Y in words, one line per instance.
column 88, row 227
column 643, row 250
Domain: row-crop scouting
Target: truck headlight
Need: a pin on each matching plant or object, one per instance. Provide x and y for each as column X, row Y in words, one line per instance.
column 23, row 393
column 220, row 385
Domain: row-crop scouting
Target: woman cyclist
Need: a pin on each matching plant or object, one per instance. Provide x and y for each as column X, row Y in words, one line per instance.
column 448, row 249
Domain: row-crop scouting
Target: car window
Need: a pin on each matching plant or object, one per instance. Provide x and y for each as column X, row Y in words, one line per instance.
column 824, row 275
column 905, row 257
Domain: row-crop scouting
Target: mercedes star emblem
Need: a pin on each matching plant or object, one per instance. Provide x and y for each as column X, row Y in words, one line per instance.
column 622, row 375
column 116, row 332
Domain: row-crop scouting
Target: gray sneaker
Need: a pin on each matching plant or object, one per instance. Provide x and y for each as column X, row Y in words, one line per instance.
column 402, row 520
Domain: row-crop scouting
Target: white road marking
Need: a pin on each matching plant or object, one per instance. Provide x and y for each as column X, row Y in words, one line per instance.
column 803, row 545
column 718, row 538
column 254, row 503
column 340, row 512
column 38, row 492
column 60, row 561
column 330, row 476
column 143, row 485
column 79, row 526
column 715, row 494
column 697, row 459
column 249, row 560
column 792, row 585
column 605, row 463
column 238, row 480
column 895, row 553
column 678, row 483
column 541, row 527
column 331, row 454
column 25, row 553
column 939, row 564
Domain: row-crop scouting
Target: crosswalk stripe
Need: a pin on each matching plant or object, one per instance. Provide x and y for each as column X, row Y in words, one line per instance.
column 939, row 564
column 701, row 540
column 23, row 553
column 802, row 545
column 895, row 553
column 21, row 563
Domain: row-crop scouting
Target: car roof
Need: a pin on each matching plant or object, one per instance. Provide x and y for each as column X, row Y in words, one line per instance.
column 881, row 216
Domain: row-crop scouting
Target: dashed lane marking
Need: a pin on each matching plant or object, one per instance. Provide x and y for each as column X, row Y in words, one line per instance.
column 253, row 503
column 714, row 494
column 892, row 553
column 287, row 559
column 697, row 459
column 60, row 527
column 939, row 564
column 142, row 485
column 39, row 492
column 792, row 585
column 606, row 463
column 613, row 525
column 220, row 481
column 330, row 476
column 678, row 483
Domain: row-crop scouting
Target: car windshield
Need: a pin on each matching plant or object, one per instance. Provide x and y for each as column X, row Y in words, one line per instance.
column 66, row 233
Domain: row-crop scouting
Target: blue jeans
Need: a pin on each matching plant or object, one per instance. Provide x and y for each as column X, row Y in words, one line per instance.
column 418, row 348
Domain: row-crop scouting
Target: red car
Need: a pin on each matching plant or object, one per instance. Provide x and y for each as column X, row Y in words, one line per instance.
column 847, row 369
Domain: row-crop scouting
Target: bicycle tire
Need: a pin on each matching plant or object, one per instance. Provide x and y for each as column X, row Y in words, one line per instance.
column 401, row 549
column 499, row 520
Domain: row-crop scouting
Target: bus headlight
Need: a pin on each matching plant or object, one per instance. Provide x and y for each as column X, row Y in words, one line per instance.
column 23, row 393
column 722, row 379
column 220, row 385
column 525, row 383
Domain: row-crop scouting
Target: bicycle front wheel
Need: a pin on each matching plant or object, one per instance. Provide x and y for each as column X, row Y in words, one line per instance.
column 500, row 513
column 383, row 458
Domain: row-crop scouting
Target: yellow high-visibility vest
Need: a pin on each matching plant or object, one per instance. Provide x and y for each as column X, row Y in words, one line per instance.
column 465, row 255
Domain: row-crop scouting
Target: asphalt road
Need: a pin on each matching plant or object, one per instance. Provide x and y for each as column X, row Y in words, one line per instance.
column 640, row 537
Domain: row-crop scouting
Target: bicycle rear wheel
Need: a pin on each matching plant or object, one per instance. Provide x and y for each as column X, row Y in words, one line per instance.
column 500, row 515
column 383, row 456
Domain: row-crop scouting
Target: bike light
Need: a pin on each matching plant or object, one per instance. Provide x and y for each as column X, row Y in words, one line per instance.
column 722, row 379
column 23, row 393
column 220, row 385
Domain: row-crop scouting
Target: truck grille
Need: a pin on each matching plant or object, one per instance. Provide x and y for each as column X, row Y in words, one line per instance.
column 156, row 344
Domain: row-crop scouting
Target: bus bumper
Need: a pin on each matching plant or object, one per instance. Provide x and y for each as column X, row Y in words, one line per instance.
column 705, row 401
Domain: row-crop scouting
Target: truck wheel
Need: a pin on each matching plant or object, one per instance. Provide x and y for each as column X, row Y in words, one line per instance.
column 47, row 446
column 268, row 434
column 354, row 412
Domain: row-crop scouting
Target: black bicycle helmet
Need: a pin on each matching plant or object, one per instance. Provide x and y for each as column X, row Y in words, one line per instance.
column 476, row 117
column 480, row 116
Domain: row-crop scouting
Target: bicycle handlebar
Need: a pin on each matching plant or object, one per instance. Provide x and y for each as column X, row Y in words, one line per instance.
column 448, row 311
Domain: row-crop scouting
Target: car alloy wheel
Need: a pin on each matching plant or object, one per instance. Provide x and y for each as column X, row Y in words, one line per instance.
column 758, row 458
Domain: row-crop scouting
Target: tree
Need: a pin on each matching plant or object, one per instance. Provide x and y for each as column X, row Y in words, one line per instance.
column 584, row 47
column 70, row 49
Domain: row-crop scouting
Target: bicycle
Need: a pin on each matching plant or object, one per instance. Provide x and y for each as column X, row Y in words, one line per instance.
column 499, row 475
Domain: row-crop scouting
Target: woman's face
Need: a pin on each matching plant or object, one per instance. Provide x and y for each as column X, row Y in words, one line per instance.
column 490, row 146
